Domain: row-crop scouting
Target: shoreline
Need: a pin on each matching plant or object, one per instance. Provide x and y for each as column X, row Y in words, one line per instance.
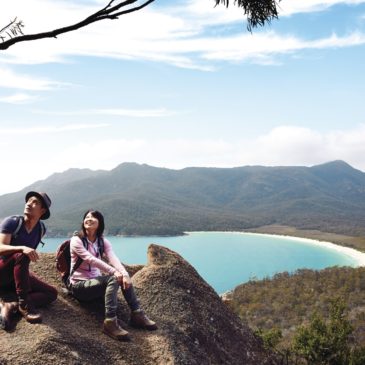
column 356, row 255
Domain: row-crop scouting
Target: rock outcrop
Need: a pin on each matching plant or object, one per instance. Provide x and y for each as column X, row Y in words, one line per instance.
column 195, row 327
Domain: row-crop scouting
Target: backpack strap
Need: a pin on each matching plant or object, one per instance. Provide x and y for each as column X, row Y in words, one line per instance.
column 20, row 219
column 76, row 266
column 43, row 231
column 79, row 259
column 101, row 246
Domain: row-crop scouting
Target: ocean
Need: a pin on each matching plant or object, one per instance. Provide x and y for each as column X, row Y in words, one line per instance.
column 226, row 259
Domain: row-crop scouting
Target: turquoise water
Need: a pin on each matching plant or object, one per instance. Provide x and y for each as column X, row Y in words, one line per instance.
column 225, row 260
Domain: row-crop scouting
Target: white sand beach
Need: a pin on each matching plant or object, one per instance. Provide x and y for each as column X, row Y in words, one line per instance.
column 356, row 255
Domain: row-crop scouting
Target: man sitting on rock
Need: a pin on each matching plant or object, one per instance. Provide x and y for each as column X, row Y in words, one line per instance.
column 19, row 238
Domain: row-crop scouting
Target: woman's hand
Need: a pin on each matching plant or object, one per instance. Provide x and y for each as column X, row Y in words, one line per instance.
column 119, row 277
column 31, row 253
column 127, row 282
column 124, row 281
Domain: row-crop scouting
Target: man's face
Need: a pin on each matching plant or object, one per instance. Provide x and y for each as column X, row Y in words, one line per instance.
column 33, row 208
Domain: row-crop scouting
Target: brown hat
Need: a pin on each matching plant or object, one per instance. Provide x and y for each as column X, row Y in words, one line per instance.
column 45, row 200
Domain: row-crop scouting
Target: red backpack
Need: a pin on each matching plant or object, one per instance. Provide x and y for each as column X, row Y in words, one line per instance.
column 63, row 259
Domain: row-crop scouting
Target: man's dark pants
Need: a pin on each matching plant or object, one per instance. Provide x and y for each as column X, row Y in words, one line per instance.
column 15, row 274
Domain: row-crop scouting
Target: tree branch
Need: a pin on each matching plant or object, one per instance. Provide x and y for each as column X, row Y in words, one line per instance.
column 108, row 12
column 258, row 13
column 11, row 30
column 8, row 26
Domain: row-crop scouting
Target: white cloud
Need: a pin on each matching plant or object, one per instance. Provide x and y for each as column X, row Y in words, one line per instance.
column 281, row 146
column 195, row 53
column 203, row 13
column 174, row 35
column 265, row 46
column 43, row 15
column 9, row 79
column 133, row 113
column 109, row 154
column 288, row 145
column 176, row 153
column 50, row 129
column 136, row 113
column 19, row 98
column 309, row 6
column 334, row 41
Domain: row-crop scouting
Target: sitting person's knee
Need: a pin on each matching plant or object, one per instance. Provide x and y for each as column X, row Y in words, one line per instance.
column 53, row 293
column 113, row 280
column 21, row 258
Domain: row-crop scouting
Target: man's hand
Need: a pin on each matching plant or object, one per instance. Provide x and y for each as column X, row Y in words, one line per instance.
column 31, row 253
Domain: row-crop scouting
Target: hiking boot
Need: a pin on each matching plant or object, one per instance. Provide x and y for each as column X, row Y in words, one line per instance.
column 7, row 309
column 29, row 313
column 140, row 320
column 112, row 329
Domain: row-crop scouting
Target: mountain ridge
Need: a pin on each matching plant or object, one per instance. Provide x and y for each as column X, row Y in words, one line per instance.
column 147, row 200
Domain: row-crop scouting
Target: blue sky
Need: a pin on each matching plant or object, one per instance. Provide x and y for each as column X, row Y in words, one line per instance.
column 181, row 84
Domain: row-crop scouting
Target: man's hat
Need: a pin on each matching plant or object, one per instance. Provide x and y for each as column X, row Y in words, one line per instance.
column 45, row 200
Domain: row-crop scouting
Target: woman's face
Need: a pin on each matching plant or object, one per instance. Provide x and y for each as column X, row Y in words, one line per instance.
column 91, row 222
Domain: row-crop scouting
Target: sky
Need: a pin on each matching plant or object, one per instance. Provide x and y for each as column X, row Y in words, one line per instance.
column 180, row 84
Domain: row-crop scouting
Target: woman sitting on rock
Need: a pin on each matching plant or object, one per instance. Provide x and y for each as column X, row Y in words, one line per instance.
column 87, row 282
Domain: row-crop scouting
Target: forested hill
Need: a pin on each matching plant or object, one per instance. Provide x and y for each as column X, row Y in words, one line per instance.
column 141, row 199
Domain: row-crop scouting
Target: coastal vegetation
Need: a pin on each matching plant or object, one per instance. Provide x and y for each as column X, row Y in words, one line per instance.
column 308, row 317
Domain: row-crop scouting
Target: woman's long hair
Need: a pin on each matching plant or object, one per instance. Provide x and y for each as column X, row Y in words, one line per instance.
column 96, row 214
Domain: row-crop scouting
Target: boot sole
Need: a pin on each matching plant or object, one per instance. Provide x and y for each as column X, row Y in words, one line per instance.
column 148, row 328
column 125, row 338
column 33, row 321
column 3, row 323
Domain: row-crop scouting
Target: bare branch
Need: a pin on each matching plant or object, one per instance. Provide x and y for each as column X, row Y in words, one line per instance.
column 8, row 26
column 11, row 30
column 108, row 12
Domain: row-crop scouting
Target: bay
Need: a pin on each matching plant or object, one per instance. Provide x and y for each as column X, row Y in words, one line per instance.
column 227, row 259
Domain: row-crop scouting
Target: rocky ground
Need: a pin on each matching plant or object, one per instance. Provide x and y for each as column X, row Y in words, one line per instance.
column 195, row 326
